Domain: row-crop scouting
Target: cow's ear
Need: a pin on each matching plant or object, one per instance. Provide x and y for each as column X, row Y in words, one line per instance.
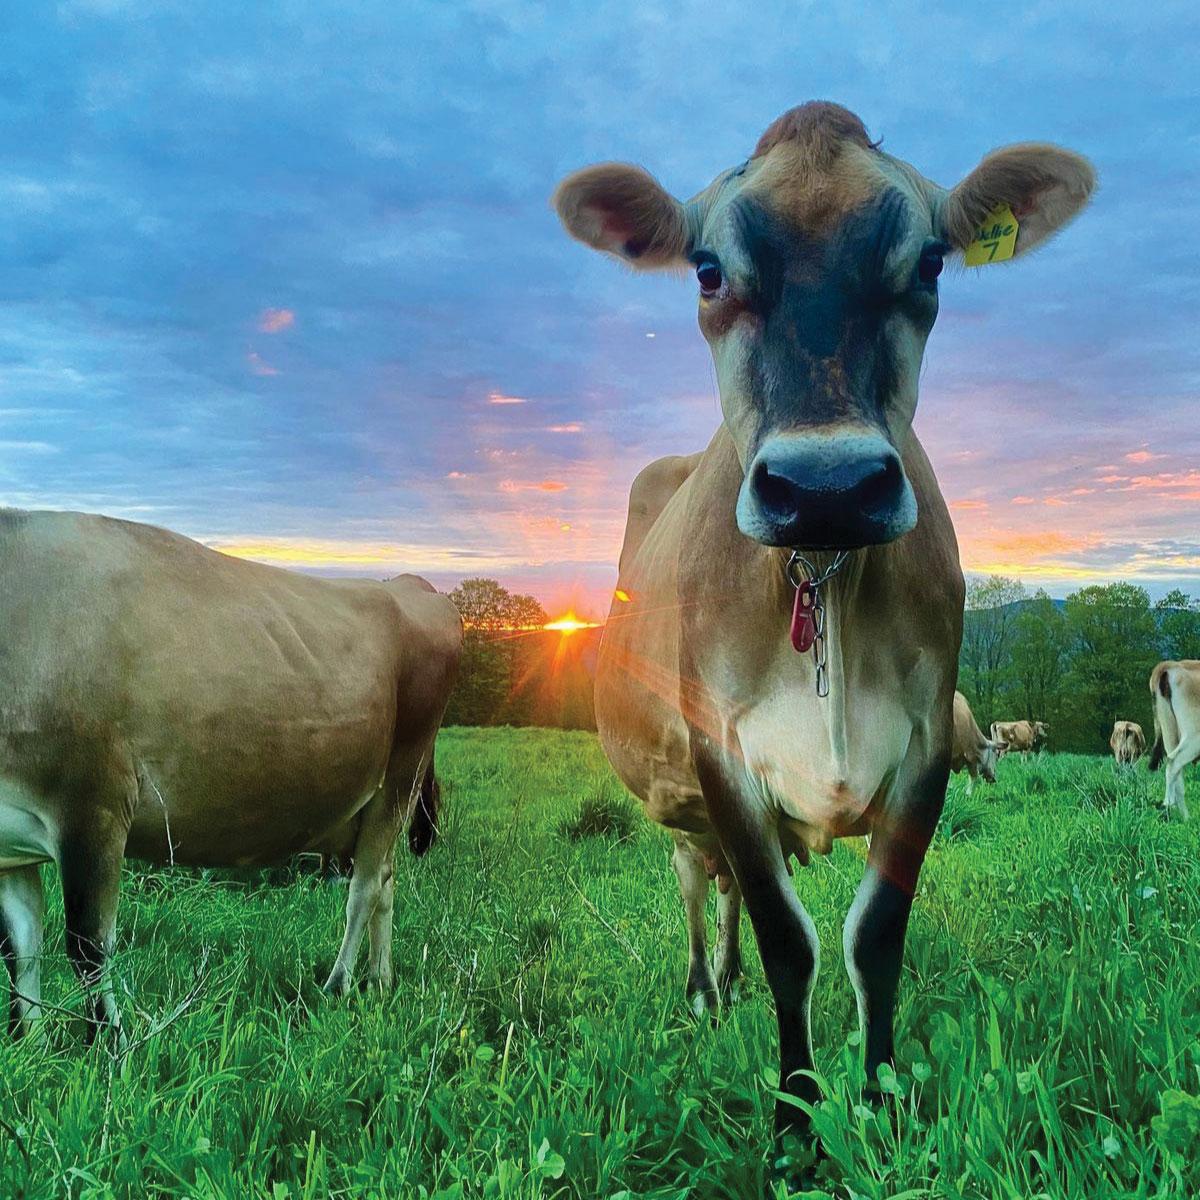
column 1045, row 186
column 624, row 211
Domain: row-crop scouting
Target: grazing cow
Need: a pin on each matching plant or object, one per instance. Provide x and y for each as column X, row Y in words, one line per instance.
column 1175, row 687
column 1021, row 736
column 971, row 751
column 166, row 702
column 817, row 262
column 1128, row 742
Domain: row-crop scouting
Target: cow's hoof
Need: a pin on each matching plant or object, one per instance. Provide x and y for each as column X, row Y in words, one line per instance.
column 703, row 1002
column 338, row 983
column 729, row 982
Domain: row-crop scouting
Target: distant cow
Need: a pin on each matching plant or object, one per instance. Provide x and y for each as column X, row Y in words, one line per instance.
column 1022, row 736
column 1128, row 742
column 1175, row 687
column 972, row 752
column 166, row 702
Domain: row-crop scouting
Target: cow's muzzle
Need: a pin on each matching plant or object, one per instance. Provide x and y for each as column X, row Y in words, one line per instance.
column 826, row 492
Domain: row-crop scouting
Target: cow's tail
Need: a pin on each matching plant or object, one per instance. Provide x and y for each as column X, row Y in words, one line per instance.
column 423, row 827
column 1165, row 727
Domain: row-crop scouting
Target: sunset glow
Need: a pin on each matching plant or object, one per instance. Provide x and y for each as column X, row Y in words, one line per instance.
column 569, row 623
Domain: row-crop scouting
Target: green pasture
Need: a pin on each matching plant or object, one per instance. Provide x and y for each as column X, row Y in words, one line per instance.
column 538, row 1043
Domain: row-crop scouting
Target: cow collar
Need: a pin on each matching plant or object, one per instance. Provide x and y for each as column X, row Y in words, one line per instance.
column 808, row 610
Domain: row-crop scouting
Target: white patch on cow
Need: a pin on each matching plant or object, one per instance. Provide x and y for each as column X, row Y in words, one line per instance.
column 25, row 837
column 813, row 767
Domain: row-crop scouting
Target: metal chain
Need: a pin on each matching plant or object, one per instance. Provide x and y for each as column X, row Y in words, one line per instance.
column 795, row 564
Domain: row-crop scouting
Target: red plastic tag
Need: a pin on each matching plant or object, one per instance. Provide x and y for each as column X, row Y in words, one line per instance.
column 804, row 622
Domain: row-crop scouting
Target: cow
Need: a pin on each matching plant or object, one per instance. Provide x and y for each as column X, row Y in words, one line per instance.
column 1175, row 687
column 813, row 519
column 1021, row 736
column 971, row 751
column 163, row 701
column 1128, row 742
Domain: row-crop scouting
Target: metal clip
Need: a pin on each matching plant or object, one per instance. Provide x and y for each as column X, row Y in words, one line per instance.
column 816, row 581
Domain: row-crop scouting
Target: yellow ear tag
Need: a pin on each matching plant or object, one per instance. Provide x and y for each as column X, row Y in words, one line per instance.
column 995, row 239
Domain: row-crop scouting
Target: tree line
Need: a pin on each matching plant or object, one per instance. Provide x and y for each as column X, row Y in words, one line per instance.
column 1080, row 664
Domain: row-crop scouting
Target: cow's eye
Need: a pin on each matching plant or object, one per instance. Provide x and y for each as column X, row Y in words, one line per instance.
column 708, row 274
column 930, row 265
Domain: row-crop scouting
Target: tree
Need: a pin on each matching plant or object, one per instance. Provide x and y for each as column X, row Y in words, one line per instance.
column 485, row 605
column 1114, row 644
column 1040, row 651
column 1178, row 625
column 988, row 631
column 486, row 672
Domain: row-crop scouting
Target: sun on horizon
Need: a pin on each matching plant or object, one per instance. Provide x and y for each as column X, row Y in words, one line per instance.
column 569, row 623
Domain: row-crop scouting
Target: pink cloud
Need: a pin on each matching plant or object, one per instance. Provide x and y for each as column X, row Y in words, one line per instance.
column 1141, row 456
column 276, row 320
column 572, row 427
column 541, row 485
column 969, row 505
column 501, row 398
column 1022, row 500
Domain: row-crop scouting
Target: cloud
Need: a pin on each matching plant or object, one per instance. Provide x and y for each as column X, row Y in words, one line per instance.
column 540, row 485
column 258, row 366
column 501, row 398
column 276, row 320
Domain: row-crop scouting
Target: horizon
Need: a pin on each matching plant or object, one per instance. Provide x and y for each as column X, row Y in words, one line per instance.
column 304, row 299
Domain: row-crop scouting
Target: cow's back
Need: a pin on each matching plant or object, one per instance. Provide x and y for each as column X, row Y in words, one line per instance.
column 250, row 704
column 637, row 673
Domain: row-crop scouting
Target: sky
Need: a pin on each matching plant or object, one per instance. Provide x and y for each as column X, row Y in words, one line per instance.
column 285, row 277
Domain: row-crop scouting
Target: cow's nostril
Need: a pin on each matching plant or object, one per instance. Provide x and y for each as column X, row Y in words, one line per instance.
column 879, row 486
column 775, row 492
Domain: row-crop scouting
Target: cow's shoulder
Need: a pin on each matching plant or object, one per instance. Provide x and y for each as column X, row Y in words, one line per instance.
column 649, row 494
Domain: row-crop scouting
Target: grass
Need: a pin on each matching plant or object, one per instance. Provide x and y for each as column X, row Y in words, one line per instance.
column 538, row 1043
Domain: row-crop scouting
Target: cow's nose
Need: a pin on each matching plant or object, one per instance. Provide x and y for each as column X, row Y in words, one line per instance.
column 826, row 492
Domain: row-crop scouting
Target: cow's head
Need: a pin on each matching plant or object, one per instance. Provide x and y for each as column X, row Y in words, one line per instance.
column 989, row 757
column 817, row 261
column 1041, row 730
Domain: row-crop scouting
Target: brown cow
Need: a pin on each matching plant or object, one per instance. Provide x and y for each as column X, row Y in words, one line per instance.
column 166, row 702
column 1175, row 687
column 971, row 751
column 817, row 262
column 1021, row 736
column 1128, row 742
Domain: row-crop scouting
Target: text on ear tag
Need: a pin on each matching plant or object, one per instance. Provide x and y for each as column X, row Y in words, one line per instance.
column 804, row 617
column 995, row 240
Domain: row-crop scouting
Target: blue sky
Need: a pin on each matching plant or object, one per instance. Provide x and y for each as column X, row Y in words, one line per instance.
column 285, row 277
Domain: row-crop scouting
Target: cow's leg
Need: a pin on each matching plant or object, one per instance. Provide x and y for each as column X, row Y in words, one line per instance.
column 876, row 925
column 1183, row 754
column 970, row 780
column 379, row 933
column 22, row 910
column 786, row 935
column 89, row 862
column 693, row 887
column 371, row 883
column 727, row 962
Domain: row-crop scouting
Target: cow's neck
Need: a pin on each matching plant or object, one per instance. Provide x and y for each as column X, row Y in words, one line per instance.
column 843, row 596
